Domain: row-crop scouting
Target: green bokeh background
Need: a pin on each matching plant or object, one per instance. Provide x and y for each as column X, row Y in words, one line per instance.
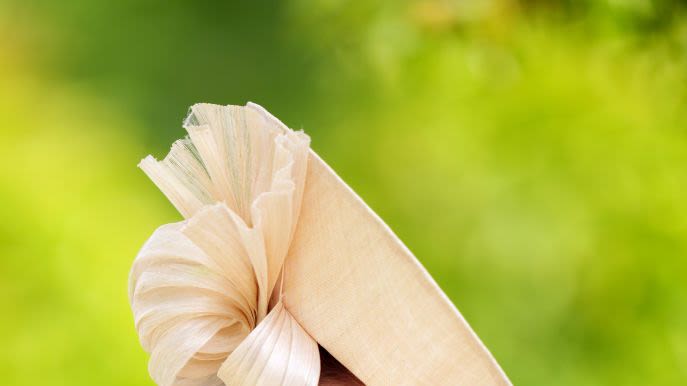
column 532, row 154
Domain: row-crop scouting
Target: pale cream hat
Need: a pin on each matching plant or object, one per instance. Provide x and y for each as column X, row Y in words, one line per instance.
column 278, row 260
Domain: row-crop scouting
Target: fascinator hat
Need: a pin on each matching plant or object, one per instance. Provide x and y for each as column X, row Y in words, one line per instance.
column 279, row 274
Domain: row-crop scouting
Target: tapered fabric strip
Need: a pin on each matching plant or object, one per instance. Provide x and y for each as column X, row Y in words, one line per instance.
column 365, row 298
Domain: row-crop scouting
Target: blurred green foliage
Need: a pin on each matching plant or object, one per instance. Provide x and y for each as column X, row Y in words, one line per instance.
column 532, row 154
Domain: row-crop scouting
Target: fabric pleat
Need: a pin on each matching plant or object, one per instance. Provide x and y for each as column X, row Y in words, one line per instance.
column 200, row 289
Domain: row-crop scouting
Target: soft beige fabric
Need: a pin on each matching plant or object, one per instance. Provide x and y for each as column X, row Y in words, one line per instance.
column 207, row 293
column 364, row 297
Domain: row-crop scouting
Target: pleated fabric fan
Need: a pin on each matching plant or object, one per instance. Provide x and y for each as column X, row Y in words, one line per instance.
column 279, row 273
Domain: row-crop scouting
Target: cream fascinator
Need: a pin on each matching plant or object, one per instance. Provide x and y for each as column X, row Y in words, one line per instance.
column 279, row 273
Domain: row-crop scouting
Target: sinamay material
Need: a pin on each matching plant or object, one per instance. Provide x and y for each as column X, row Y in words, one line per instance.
column 277, row 255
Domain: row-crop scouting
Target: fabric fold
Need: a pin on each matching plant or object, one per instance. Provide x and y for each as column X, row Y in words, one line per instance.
column 277, row 352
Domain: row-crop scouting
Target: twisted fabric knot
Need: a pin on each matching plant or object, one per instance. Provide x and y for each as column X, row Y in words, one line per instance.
column 205, row 291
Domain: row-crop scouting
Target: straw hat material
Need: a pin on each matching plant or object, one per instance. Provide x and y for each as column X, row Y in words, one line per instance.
column 280, row 274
